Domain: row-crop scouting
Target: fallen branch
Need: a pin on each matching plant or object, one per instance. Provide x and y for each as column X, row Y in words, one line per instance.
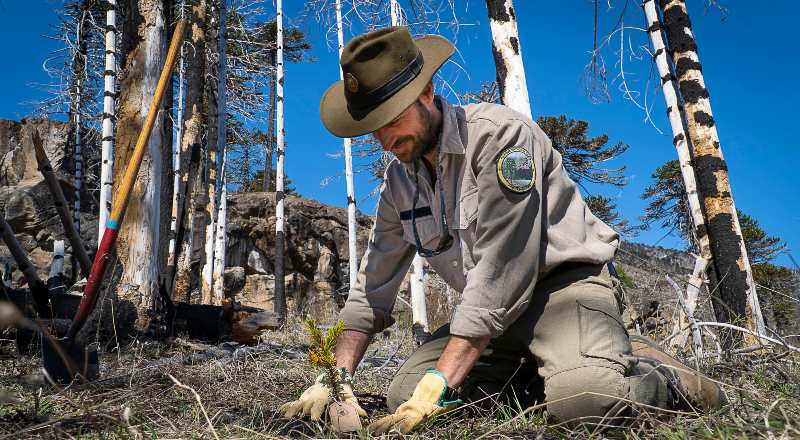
column 697, row 338
column 199, row 402
column 750, row 332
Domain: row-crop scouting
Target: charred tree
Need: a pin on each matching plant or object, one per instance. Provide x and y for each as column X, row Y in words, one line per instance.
column 280, row 238
column 735, row 300
column 109, row 110
column 508, row 56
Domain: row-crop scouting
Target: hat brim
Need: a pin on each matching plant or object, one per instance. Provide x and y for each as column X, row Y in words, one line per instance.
column 342, row 123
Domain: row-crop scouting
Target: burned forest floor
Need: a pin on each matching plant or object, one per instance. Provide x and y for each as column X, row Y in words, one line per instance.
column 182, row 389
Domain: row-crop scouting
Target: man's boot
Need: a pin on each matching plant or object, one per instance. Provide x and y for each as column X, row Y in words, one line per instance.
column 696, row 389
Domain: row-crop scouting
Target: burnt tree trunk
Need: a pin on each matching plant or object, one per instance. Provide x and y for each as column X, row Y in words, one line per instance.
column 508, row 56
column 735, row 300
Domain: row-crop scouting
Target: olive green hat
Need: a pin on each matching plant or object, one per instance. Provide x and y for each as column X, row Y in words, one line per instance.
column 385, row 71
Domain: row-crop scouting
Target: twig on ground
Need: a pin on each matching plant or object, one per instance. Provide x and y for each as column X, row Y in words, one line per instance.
column 199, row 402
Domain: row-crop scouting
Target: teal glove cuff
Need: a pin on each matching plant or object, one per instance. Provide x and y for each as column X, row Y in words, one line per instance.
column 449, row 396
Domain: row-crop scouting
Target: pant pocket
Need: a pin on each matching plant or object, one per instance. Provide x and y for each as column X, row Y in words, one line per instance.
column 601, row 332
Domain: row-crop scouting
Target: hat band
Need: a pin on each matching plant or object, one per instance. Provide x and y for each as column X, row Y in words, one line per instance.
column 382, row 93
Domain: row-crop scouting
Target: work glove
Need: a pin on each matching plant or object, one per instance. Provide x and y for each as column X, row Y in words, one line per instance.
column 314, row 400
column 432, row 396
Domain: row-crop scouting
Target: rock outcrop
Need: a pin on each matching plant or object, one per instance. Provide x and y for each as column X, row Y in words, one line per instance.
column 24, row 198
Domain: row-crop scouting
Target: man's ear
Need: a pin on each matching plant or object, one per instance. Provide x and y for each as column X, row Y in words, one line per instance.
column 427, row 94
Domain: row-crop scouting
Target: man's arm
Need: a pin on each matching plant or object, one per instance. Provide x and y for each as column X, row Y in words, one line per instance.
column 459, row 357
column 350, row 348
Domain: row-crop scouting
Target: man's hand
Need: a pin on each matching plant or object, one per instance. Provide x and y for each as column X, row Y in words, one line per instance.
column 429, row 399
column 314, row 400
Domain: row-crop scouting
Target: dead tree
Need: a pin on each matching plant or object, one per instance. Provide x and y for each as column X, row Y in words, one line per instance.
column 139, row 237
column 217, row 262
column 190, row 217
column 280, row 238
column 37, row 287
column 508, row 55
column 109, row 109
column 60, row 203
column 736, row 299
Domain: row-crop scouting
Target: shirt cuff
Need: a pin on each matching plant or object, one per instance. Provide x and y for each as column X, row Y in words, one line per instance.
column 365, row 319
column 477, row 322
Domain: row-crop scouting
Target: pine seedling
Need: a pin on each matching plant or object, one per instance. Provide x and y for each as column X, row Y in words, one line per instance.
column 320, row 352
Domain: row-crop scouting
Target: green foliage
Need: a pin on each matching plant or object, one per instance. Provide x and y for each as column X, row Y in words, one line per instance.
column 583, row 157
column 761, row 248
column 624, row 278
column 669, row 204
column 320, row 352
column 606, row 210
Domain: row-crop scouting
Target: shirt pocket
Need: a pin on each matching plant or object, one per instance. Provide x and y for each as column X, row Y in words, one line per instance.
column 427, row 229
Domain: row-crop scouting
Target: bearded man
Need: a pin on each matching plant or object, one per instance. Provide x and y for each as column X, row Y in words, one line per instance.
column 480, row 192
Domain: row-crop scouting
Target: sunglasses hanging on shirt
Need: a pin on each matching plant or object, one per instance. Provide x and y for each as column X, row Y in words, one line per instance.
column 445, row 239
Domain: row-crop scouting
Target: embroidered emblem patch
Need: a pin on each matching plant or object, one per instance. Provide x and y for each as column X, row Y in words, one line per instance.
column 350, row 83
column 515, row 169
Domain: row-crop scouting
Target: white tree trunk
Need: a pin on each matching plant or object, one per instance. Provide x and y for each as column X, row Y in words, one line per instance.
column 177, row 195
column 681, row 142
column 109, row 109
column 138, row 242
column 348, row 170
column 57, row 266
column 419, row 314
column 508, row 55
column 280, row 293
column 221, row 238
column 218, row 260
column 736, row 291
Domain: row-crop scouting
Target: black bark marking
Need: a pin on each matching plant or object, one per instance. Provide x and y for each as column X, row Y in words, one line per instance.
column 658, row 52
column 502, row 71
column 705, row 167
column 656, row 26
column 675, row 21
column 515, row 45
column 701, row 231
column 497, row 10
column 703, row 118
column 727, row 253
column 666, row 78
column 678, row 138
column 692, row 91
column 686, row 64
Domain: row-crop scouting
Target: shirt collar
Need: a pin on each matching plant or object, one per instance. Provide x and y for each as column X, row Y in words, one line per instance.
column 450, row 137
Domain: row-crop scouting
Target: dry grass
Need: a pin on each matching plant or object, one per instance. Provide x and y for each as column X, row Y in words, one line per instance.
column 237, row 398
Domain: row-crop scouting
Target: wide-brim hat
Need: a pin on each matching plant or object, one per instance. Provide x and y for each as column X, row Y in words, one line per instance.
column 384, row 72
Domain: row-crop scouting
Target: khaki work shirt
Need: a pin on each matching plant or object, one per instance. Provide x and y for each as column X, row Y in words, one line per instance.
column 504, row 241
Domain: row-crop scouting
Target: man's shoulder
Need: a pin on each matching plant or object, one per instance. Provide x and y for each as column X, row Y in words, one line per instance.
column 494, row 114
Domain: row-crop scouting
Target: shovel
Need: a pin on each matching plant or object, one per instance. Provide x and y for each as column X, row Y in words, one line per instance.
column 66, row 359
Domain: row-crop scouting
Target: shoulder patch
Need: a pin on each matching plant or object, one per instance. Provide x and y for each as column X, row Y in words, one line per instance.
column 516, row 170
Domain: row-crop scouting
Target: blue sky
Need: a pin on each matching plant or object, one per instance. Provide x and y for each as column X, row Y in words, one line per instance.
column 749, row 59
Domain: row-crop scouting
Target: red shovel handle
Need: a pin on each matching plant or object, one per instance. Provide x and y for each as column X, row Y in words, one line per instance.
column 95, row 278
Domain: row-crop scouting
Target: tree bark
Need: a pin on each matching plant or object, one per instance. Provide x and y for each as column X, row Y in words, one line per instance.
column 508, row 56
column 273, row 84
column 681, row 142
column 138, row 243
column 190, row 216
column 79, row 63
column 177, row 187
column 348, row 170
column 217, row 257
column 109, row 111
column 280, row 239
column 736, row 300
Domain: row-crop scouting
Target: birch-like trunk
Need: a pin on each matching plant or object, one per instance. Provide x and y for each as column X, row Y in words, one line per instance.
column 508, row 56
column 190, row 213
column 79, row 63
column 280, row 239
column 419, row 307
column 138, row 243
column 177, row 190
column 268, row 150
column 681, row 142
column 218, row 222
column 109, row 109
column 736, row 300
column 348, row 171
column 220, row 242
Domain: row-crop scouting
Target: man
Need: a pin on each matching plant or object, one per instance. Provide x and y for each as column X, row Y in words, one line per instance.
column 480, row 192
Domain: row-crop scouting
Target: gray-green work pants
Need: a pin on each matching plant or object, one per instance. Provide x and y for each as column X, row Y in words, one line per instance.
column 571, row 340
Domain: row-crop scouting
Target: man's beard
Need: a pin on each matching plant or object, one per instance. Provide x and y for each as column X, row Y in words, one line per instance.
column 424, row 142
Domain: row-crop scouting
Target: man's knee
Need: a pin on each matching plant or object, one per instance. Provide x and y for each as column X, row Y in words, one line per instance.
column 402, row 387
column 586, row 393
